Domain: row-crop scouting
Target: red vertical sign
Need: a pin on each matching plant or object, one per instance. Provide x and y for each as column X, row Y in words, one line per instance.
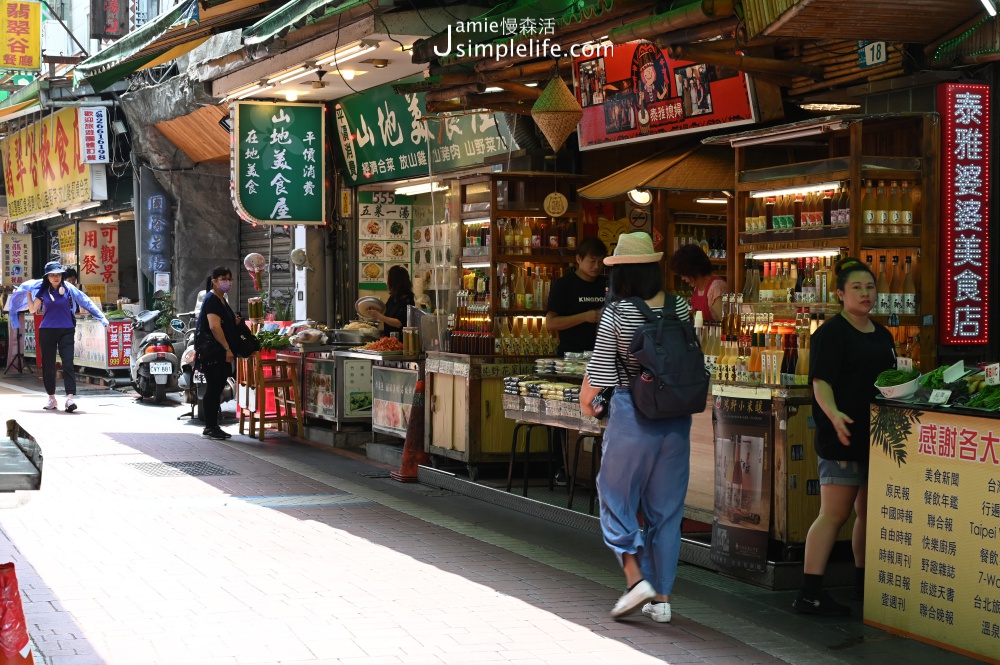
column 965, row 196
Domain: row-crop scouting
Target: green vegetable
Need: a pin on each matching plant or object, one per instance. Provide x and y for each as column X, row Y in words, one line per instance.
column 271, row 339
column 896, row 377
column 934, row 379
column 987, row 398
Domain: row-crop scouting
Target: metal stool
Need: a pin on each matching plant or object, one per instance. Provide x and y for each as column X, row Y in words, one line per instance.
column 595, row 466
column 528, row 428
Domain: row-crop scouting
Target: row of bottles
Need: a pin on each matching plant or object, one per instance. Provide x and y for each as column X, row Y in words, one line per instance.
column 535, row 235
column 809, row 211
column 888, row 210
column 712, row 241
column 898, row 294
column 762, row 355
column 525, row 287
column 476, row 333
column 804, row 280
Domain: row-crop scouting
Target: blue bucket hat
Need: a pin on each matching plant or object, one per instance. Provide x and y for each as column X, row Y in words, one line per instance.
column 53, row 267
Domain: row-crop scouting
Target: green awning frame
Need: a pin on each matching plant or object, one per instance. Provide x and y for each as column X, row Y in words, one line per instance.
column 116, row 62
column 294, row 15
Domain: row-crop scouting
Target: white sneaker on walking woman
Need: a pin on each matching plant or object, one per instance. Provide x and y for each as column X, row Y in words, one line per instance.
column 51, row 404
column 70, row 405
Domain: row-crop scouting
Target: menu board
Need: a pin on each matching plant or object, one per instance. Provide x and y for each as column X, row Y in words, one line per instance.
column 357, row 395
column 15, row 261
column 933, row 553
column 384, row 223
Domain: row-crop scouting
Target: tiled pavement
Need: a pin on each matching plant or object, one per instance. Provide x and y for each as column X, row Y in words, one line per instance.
column 297, row 557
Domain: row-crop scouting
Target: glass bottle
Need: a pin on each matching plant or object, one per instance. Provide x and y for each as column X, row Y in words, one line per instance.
column 881, row 210
column 895, row 210
column 909, row 290
column 769, row 213
column 906, row 208
column 525, row 236
column 884, row 305
column 571, row 234
column 896, row 287
column 868, row 210
column 502, row 270
column 539, row 285
column 529, row 290
column 519, row 293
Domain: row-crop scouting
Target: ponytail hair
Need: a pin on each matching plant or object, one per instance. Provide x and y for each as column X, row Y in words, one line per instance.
column 217, row 272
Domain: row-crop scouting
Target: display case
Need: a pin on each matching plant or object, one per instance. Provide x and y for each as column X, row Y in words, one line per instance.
column 872, row 193
column 519, row 234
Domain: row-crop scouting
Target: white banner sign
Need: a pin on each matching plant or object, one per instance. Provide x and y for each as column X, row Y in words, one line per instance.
column 94, row 143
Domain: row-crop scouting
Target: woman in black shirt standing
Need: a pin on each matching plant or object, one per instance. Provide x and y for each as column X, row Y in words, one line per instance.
column 848, row 353
column 400, row 297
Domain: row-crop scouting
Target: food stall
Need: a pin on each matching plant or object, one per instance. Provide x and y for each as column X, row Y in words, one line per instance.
column 105, row 349
column 933, row 569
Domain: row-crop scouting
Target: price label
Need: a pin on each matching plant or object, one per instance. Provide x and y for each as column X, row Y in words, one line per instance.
column 993, row 374
column 940, row 396
column 904, row 364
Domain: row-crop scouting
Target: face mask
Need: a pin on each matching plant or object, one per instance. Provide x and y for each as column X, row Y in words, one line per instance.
column 225, row 285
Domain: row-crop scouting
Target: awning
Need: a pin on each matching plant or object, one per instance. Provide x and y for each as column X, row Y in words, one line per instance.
column 199, row 135
column 168, row 36
column 295, row 15
column 115, row 62
column 689, row 168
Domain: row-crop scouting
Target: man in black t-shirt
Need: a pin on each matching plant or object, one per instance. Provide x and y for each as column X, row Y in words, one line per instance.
column 575, row 300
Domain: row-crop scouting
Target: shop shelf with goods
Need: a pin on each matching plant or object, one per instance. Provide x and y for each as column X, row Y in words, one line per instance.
column 708, row 230
column 866, row 186
column 519, row 234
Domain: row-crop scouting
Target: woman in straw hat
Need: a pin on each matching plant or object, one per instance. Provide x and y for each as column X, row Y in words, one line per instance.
column 645, row 462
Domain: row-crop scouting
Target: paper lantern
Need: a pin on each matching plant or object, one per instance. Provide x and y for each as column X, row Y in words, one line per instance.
column 556, row 112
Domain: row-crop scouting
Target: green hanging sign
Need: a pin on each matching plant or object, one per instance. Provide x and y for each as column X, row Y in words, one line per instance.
column 278, row 163
column 388, row 136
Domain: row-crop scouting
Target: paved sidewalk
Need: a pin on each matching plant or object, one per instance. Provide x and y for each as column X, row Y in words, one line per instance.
column 292, row 555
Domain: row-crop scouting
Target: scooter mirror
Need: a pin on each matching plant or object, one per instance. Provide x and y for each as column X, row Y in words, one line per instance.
column 177, row 325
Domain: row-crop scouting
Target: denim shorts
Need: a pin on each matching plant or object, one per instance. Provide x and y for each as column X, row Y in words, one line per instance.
column 842, row 472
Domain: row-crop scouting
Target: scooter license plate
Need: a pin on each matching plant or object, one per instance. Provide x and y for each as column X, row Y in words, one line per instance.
column 160, row 368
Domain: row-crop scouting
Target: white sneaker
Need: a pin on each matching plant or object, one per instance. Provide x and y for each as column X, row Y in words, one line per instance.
column 633, row 599
column 70, row 406
column 51, row 404
column 659, row 612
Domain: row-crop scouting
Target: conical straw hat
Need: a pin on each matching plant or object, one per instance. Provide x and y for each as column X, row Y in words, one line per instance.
column 556, row 112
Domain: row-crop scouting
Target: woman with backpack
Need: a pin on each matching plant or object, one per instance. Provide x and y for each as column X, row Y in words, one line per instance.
column 645, row 462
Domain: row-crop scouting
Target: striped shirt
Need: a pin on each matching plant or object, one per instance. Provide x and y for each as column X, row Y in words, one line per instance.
column 618, row 324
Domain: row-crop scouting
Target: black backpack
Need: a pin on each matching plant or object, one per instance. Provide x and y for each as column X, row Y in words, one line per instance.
column 673, row 381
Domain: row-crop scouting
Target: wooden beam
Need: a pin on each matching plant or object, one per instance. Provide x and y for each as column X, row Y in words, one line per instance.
column 698, row 33
column 524, row 91
column 475, row 101
column 746, row 62
column 685, row 16
column 445, row 94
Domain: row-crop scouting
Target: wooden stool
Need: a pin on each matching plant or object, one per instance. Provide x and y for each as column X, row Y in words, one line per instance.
column 528, row 428
column 595, row 466
column 259, row 378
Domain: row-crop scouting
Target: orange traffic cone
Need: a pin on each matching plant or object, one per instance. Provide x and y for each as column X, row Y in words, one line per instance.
column 14, row 646
column 413, row 447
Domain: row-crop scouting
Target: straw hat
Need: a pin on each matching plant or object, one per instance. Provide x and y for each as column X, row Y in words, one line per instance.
column 633, row 248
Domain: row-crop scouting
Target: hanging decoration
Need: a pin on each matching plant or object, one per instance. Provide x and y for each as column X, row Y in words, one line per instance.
column 556, row 112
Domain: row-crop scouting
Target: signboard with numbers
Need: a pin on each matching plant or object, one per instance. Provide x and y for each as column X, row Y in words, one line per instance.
column 384, row 232
column 933, row 551
column 94, row 143
column 742, row 497
column 965, row 212
column 385, row 136
column 21, row 27
column 871, row 54
column 102, row 348
column 44, row 169
column 278, row 163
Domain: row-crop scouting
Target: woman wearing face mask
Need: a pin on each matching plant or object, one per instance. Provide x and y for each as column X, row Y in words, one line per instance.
column 214, row 358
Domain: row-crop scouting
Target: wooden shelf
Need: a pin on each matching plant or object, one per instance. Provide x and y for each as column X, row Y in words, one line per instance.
column 538, row 258
column 904, row 319
column 520, row 312
column 892, row 242
column 514, row 212
column 793, row 244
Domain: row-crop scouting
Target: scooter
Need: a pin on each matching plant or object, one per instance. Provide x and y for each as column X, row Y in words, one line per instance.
column 192, row 381
column 155, row 367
